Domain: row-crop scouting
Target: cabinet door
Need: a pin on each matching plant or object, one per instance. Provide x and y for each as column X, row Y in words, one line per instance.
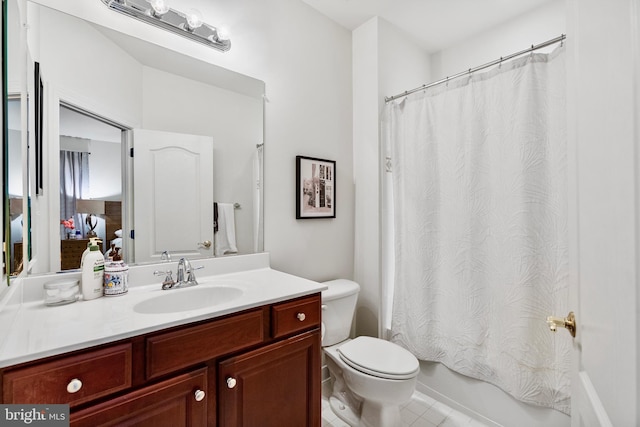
column 274, row 386
column 177, row 402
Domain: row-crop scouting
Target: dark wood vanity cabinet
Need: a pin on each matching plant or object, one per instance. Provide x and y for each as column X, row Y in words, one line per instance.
column 256, row 368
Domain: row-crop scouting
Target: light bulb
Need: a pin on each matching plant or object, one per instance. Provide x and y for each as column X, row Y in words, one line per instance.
column 223, row 33
column 194, row 19
column 160, row 7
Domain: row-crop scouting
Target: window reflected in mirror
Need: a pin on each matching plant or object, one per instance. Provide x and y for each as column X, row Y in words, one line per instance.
column 90, row 185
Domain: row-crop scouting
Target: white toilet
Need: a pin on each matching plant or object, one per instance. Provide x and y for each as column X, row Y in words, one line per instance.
column 371, row 377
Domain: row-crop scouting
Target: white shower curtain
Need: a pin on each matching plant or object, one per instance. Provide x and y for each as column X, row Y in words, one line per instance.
column 480, row 226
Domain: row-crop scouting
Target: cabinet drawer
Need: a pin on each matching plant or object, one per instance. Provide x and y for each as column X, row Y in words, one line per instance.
column 100, row 372
column 185, row 347
column 171, row 403
column 295, row 316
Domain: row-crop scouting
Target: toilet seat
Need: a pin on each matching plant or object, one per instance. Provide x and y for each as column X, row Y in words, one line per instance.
column 379, row 358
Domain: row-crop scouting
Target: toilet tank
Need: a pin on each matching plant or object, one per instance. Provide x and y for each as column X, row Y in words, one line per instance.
column 338, row 306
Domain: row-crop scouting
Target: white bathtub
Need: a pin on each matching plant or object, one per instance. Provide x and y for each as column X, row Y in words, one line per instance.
column 483, row 401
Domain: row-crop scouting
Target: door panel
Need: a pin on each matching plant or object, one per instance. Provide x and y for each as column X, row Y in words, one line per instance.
column 603, row 150
column 173, row 189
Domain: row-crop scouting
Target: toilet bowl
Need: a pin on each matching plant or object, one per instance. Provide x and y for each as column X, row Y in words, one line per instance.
column 371, row 377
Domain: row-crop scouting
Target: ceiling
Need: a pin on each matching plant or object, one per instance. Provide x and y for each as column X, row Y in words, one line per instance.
column 434, row 24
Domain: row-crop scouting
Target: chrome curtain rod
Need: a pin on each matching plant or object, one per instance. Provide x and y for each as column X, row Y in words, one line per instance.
column 481, row 67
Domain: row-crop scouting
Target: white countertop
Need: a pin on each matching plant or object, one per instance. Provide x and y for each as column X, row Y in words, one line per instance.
column 32, row 330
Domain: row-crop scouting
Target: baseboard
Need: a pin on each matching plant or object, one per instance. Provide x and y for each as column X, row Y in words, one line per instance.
column 424, row 389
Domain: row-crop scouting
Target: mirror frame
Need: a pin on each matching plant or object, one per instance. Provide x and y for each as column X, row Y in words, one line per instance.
column 6, row 229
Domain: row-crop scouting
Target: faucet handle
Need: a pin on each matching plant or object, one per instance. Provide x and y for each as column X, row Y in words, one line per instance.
column 192, row 276
column 168, row 281
column 165, row 256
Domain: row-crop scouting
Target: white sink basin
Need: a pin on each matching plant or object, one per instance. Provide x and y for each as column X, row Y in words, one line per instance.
column 177, row 300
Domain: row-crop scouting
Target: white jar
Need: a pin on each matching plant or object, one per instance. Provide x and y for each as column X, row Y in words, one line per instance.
column 60, row 292
column 116, row 278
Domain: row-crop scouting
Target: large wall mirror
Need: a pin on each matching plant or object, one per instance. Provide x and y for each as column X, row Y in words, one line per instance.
column 145, row 148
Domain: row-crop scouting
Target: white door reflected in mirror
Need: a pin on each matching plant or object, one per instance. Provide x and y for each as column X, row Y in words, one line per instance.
column 173, row 187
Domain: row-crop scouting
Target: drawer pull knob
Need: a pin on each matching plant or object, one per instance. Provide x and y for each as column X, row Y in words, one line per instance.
column 301, row 317
column 199, row 395
column 74, row 385
column 231, row 382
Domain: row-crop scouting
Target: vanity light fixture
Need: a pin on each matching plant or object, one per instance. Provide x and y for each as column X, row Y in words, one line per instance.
column 189, row 24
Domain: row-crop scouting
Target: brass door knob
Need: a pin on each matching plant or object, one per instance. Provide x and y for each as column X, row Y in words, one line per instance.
column 568, row 322
column 206, row 244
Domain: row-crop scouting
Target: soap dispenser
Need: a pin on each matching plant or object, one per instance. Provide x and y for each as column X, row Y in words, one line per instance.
column 116, row 276
column 92, row 267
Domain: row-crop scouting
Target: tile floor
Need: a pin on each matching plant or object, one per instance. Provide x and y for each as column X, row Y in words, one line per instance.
column 421, row 411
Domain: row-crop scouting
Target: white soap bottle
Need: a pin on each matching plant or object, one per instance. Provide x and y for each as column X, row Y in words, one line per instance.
column 92, row 267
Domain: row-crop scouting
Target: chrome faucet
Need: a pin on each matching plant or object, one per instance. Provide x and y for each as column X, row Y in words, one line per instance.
column 184, row 265
column 184, row 269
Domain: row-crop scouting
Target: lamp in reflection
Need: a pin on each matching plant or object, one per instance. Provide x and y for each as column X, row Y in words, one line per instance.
column 158, row 13
column 91, row 208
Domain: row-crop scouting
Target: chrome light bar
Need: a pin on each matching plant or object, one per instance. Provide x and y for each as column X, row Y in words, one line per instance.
column 172, row 20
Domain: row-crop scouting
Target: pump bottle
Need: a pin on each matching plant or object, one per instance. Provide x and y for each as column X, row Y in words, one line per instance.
column 92, row 267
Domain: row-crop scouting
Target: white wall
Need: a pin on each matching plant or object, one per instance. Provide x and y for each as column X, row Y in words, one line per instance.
column 541, row 24
column 307, row 71
column 384, row 61
column 105, row 170
column 305, row 61
column 14, row 58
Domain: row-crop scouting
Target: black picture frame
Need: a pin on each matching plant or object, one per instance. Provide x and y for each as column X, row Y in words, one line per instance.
column 315, row 188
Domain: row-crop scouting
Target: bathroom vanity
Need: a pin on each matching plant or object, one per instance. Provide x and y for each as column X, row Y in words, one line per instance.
column 253, row 361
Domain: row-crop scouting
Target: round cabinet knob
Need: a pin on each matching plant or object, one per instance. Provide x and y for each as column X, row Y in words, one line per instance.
column 301, row 317
column 74, row 385
column 199, row 395
column 231, row 382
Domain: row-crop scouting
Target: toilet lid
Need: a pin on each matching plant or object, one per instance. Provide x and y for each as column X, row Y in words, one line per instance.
column 379, row 358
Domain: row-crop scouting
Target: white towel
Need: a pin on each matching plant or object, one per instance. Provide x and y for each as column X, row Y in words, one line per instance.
column 226, row 235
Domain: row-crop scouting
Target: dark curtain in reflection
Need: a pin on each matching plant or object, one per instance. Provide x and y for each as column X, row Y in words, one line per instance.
column 74, row 185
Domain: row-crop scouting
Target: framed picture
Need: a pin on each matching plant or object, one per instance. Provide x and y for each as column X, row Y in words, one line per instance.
column 315, row 188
